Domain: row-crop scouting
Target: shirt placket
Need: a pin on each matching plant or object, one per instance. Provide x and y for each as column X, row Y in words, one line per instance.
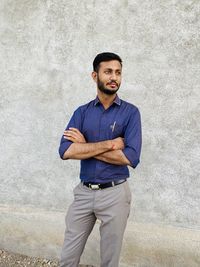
column 103, row 123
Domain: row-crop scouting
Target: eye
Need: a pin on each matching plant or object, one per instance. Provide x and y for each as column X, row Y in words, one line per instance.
column 107, row 72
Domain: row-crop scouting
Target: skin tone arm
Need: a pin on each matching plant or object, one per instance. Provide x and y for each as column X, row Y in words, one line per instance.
column 87, row 150
column 82, row 150
column 116, row 157
column 113, row 155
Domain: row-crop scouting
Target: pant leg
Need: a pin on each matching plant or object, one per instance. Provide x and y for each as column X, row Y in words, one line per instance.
column 113, row 213
column 80, row 220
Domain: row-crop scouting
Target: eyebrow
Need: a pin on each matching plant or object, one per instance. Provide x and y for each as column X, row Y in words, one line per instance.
column 112, row 69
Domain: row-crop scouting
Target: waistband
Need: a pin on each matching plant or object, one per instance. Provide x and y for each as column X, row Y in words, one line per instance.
column 98, row 186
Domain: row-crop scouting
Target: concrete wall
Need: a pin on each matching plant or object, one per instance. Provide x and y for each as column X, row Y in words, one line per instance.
column 46, row 53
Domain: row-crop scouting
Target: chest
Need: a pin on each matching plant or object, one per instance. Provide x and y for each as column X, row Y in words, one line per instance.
column 99, row 125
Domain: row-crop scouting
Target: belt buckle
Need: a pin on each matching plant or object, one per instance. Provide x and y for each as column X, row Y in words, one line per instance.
column 94, row 186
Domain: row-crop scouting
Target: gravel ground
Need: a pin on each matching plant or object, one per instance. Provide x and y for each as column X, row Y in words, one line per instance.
column 8, row 259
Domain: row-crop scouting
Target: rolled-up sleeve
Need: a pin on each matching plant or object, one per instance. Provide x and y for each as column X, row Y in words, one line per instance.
column 75, row 122
column 133, row 138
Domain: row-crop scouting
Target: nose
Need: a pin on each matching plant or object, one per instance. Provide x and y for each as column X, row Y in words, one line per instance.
column 113, row 77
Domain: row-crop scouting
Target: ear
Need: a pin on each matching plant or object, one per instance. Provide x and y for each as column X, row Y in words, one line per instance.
column 94, row 76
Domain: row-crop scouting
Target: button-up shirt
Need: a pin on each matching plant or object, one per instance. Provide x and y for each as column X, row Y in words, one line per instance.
column 97, row 124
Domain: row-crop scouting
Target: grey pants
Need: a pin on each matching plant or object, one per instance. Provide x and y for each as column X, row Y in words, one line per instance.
column 111, row 206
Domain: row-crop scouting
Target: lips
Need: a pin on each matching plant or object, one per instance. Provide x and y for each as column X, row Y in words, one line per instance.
column 112, row 84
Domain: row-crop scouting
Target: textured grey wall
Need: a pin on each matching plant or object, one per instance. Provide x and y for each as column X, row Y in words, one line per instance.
column 46, row 53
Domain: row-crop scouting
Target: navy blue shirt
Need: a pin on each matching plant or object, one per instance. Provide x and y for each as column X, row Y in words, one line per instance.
column 121, row 119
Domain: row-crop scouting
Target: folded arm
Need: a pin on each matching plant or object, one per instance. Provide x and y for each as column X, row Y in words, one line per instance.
column 109, row 151
column 119, row 151
column 87, row 150
column 116, row 157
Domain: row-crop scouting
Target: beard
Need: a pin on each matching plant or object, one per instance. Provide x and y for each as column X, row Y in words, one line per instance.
column 105, row 90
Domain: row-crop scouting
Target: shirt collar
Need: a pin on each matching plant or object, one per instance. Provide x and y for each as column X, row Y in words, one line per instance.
column 117, row 100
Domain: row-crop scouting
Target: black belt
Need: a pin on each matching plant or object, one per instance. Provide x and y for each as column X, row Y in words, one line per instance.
column 96, row 186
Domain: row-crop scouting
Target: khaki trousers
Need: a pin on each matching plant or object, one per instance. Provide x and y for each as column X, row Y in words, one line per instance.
column 111, row 206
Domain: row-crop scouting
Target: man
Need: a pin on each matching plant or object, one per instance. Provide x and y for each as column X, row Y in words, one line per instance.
column 105, row 135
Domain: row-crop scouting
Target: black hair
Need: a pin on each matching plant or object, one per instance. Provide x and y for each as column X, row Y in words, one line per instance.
column 106, row 56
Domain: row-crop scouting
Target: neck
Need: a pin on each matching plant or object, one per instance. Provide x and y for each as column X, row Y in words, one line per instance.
column 106, row 100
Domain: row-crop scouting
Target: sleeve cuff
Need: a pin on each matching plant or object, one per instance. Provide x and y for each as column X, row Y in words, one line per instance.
column 131, row 156
column 63, row 147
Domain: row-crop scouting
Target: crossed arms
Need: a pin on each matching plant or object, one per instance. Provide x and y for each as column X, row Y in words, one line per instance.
column 109, row 151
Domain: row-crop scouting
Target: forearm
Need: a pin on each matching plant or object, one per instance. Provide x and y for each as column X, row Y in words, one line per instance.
column 116, row 157
column 87, row 150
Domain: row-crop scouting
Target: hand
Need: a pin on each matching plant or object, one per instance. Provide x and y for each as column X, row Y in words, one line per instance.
column 118, row 143
column 74, row 135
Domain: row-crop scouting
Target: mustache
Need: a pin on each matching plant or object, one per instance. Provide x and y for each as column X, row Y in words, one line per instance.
column 112, row 81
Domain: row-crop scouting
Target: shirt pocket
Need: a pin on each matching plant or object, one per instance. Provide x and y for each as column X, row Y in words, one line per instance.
column 117, row 130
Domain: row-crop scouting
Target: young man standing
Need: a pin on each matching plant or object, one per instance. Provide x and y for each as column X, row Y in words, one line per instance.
column 105, row 135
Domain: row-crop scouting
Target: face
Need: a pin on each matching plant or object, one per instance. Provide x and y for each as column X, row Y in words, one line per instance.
column 108, row 77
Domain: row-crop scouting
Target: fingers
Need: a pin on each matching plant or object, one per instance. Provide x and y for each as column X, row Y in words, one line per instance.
column 71, row 139
column 74, row 135
column 118, row 143
column 69, row 134
column 74, row 130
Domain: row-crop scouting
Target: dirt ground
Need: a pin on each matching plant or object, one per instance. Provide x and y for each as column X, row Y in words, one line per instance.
column 8, row 259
